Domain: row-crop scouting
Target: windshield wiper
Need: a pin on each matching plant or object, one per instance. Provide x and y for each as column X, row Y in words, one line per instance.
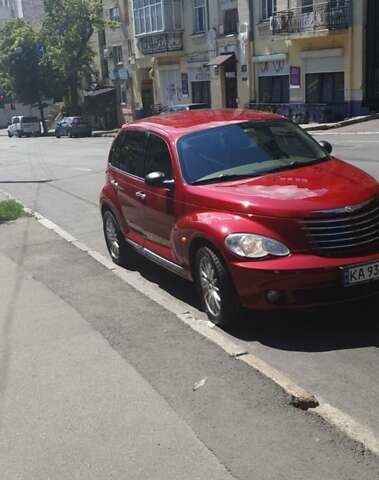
column 222, row 178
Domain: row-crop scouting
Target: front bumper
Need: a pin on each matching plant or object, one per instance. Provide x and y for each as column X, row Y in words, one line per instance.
column 301, row 280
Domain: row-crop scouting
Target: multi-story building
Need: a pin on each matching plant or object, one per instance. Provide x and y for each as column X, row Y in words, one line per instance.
column 308, row 57
column 304, row 58
column 185, row 52
column 30, row 10
column 7, row 11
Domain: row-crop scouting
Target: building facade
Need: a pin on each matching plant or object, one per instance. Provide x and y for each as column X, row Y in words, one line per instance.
column 309, row 57
column 30, row 10
column 304, row 58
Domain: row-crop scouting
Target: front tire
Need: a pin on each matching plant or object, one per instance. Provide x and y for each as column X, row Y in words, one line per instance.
column 216, row 290
column 121, row 253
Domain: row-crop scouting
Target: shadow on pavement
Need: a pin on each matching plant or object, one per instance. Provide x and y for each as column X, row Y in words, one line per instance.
column 349, row 326
column 337, row 327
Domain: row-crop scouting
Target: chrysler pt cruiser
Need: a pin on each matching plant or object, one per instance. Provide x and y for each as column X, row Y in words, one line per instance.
column 246, row 205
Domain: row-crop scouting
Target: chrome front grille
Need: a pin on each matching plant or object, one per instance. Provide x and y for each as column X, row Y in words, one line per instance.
column 341, row 231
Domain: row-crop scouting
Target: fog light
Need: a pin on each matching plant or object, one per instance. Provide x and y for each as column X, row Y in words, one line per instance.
column 274, row 296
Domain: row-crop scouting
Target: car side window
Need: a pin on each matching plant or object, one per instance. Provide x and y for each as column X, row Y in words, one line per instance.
column 158, row 157
column 132, row 152
column 114, row 156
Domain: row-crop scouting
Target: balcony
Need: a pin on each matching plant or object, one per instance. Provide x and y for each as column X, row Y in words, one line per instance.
column 332, row 15
column 161, row 43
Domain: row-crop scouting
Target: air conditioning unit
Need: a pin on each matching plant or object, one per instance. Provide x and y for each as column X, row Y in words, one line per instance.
column 106, row 53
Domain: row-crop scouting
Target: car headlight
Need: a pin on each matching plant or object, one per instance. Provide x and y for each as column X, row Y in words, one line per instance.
column 255, row 246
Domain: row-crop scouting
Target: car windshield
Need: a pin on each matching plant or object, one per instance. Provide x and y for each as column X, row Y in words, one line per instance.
column 245, row 150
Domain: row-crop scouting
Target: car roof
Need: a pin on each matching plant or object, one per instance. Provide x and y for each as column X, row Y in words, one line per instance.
column 177, row 124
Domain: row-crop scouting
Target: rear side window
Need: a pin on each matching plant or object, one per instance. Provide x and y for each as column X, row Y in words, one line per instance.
column 128, row 153
column 16, row 120
column 30, row 119
column 158, row 157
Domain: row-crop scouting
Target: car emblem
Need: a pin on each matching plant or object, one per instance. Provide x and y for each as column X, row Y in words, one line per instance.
column 349, row 209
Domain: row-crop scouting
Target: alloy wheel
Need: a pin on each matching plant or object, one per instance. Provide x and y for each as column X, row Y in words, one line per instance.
column 210, row 286
column 111, row 234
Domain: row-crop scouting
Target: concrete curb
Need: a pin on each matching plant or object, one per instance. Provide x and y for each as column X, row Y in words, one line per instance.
column 343, row 123
column 298, row 397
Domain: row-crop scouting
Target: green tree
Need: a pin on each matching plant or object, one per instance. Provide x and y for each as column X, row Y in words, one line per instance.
column 67, row 28
column 24, row 71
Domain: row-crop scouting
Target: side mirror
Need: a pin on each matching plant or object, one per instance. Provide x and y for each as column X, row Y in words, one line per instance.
column 158, row 179
column 326, row 146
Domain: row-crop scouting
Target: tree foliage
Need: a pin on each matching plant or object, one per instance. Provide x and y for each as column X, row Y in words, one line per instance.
column 24, row 72
column 66, row 30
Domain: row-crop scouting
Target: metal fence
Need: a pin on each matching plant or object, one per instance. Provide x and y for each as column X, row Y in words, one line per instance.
column 332, row 15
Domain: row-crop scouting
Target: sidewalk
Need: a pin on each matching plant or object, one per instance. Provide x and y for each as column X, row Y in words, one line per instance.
column 70, row 407
column 96, row 384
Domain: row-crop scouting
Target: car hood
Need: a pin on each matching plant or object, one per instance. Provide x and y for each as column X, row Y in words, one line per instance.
column 295, row 192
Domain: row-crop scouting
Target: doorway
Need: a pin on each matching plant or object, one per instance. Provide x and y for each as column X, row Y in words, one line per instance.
column 231, row 90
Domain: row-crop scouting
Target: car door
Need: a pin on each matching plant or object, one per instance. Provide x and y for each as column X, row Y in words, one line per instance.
column 62, row 127
column 127, row 177
column 159, row 218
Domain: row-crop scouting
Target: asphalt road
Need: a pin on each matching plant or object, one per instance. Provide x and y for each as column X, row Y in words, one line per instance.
column 332, row 352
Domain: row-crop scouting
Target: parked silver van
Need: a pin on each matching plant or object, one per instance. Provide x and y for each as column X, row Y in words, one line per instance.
column 24, row 126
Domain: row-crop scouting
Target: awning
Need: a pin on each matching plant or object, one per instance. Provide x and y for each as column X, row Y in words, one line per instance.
column 217, row 61
column 100, row 91
column 276, row 57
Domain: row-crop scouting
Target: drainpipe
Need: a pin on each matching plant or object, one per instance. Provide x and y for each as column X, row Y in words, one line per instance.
column 350, row 42
column 251, row 51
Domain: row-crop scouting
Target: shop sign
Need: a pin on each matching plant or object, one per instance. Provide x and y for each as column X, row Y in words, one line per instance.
column 295, row 77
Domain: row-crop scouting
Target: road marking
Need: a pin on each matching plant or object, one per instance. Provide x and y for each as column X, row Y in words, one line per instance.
column 344, row 133
column 299, row 397
column 83, row 169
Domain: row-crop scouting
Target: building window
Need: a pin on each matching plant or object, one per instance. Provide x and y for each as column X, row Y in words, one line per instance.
column 325, row 87
column 199, row 16
column 123, row 93
column 201, row 92
column 148, row 16
column 268, row 8
column 114, row 14
column 307, row 6
column 117, row 54
column 231, row 21
column 274, row 89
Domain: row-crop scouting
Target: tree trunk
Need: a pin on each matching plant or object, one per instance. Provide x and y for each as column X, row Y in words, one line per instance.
column 74, row 100
column 42, row 115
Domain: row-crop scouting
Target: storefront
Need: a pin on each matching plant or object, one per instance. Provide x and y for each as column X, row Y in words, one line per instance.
column 272, row 73
column 170, row 85
column 199, row 81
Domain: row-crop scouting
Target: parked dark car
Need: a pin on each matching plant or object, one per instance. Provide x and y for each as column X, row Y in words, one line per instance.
column 247, row 205
column 184, row 107
column 73, row 127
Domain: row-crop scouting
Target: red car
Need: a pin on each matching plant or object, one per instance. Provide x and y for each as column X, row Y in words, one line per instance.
column 247, row 205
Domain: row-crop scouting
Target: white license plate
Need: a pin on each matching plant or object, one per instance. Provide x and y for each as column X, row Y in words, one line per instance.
column 360, row 274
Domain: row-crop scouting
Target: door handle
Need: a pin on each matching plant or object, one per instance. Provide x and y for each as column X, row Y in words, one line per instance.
column 141, row 195
column 114, row 183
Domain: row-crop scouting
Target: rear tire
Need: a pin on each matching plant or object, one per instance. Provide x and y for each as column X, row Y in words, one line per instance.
column 9, row 135
column 216, row 290
column 121, row 253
